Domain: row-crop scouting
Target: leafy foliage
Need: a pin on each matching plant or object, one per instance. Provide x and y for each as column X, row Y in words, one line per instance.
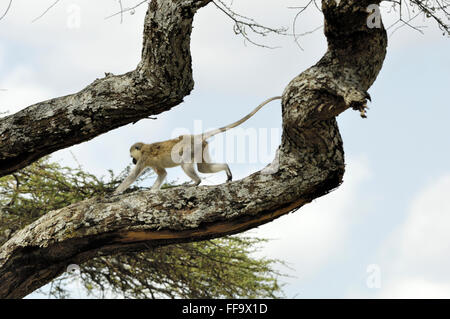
column 219, row 268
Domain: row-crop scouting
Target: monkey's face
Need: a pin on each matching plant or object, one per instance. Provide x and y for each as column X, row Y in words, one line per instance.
column 135, row 155
column 135, row 152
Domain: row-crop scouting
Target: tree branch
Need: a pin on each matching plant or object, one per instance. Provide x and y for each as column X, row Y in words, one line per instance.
column 309, row 164
column 161, row 80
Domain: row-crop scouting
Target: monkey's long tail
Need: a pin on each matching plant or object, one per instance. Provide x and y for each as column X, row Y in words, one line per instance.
column 242, row 120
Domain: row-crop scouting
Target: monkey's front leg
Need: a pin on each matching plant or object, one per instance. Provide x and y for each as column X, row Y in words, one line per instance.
column 131, row 178
column 161, row 177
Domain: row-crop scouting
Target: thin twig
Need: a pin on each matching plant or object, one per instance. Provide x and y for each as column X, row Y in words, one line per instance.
column 241, row 23
column 122, row 11
column 47, row 10
column 405, row 23
column 7, row 9
column 430, row 9
column 302, row 9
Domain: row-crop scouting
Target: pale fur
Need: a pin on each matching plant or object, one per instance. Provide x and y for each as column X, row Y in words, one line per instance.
column 185, row 150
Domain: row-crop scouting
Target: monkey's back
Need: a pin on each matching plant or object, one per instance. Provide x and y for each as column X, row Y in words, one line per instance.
column 161, row 153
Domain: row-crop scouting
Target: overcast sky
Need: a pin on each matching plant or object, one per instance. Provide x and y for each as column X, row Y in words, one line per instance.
column 383, row 233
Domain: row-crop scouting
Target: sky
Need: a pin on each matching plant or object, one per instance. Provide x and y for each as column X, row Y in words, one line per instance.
column 382, row 234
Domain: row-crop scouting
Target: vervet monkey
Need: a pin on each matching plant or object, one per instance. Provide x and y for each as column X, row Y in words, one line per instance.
column 185, row 150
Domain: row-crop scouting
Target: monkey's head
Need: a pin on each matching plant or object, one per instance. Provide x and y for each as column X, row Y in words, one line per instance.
column 135, row 152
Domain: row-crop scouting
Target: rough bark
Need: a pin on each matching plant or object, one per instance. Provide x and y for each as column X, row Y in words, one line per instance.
column 161, row 80
column 309, row 163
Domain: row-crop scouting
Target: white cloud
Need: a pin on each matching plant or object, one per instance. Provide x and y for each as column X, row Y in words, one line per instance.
column 425, row 238
column 2, row 56
column 67, row 59
column 20, row 91
column 247, row 69
column 416, row 288
column 415, row 260
column 312, row 237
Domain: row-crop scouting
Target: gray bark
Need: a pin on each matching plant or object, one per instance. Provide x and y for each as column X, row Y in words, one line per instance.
column 161, row 80
column 309, row 164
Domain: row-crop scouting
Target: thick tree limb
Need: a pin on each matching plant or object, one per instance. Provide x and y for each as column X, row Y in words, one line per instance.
column 309, row 164
column 161, row 80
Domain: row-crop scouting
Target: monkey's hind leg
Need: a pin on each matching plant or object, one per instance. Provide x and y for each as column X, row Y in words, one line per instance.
column 189, row 169
column 206, row 166
column 214, row 168
column 161, row 177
